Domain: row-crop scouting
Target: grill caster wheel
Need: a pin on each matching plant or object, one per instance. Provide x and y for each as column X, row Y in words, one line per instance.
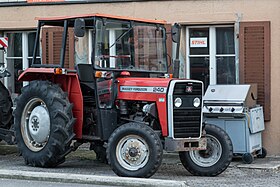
column 263, row 154
column 247, row 158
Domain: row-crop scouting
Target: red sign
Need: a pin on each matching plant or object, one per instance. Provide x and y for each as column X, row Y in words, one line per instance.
column 3, row 42
column 198, row 42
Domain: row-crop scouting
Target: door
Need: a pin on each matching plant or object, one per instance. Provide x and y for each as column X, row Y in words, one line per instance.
column 211, row 54
column 106, row 92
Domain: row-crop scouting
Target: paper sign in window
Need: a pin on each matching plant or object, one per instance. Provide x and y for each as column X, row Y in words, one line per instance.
column 198, row 42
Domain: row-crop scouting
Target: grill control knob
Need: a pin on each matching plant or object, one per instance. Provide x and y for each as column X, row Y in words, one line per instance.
column 221, row 109
column 233, row 109
column 210, row 109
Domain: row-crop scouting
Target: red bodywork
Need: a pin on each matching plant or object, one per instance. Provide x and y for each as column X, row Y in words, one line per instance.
column 70, row 83
column 158, row 98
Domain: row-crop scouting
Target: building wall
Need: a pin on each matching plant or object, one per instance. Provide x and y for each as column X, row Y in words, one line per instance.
column 198, row 11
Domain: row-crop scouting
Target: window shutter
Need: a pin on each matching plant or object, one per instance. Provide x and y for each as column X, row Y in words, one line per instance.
column 51, row 46
column 254, row 59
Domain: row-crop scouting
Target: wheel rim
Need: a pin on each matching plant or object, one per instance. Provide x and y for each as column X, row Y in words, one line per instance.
column 210, row 156
column 35, row 124
column 132, row 152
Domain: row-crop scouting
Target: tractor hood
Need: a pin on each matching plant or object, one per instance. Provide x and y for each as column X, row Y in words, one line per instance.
column 145, row 89
column 148, row 85
column 148, row 82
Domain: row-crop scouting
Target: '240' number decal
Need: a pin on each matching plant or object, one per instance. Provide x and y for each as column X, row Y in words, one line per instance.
column 159, row 89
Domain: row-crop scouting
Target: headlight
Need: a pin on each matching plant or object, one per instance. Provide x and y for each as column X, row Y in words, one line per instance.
column 178, row 102
column 196, row 102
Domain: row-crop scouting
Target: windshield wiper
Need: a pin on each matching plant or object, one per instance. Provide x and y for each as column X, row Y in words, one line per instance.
column 121, row 36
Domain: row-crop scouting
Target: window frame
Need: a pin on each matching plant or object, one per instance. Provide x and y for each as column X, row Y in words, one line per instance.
column 212, row 51
column 24, row 56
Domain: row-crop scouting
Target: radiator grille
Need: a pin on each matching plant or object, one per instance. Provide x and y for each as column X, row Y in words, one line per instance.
column 187, row 118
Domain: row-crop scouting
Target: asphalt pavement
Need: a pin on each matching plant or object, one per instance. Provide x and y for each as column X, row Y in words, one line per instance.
column 81, row 167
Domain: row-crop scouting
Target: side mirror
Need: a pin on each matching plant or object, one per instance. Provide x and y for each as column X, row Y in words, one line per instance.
column 79, row 27
column 176, row 32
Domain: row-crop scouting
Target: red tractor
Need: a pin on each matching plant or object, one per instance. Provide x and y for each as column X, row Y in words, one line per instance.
column 122, row 101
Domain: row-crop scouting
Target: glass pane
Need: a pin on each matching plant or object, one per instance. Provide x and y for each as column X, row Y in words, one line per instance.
column 225, row 40
column 140, row 48
column 199, row 41
column 15, row 45
column 199, row 69
column 31, row 42
column 37, row 61
column 226, row 70
column 104, row 92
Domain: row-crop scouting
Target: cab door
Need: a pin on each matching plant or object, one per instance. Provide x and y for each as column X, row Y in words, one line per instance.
column 106, row 91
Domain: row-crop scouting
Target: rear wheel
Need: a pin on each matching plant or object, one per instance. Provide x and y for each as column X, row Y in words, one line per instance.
column 43, row 124
column 215, row 159
column 6, row 117
column 134, row 150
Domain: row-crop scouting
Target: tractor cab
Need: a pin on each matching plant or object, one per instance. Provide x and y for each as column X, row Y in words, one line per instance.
column 113, row 44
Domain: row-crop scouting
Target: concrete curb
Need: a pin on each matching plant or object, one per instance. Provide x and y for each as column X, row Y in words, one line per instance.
column 271, row 165
column 89, row 179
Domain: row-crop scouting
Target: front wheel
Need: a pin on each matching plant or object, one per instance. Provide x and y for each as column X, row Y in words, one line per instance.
column 215, row 159
column 134, row 150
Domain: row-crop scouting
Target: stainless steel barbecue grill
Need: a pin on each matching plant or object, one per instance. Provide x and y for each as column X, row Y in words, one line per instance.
column 234, row 109
column 229, row 100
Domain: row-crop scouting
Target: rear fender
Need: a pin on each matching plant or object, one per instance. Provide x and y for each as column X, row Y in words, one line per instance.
column 69, row 83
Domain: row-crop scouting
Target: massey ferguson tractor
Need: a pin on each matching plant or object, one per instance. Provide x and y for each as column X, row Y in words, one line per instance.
column 122, row 101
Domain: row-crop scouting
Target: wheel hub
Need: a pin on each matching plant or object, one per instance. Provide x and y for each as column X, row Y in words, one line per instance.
column 208, row 152
column 132, row 152
column 39, row 124
column 35, row 123
column 210, row 156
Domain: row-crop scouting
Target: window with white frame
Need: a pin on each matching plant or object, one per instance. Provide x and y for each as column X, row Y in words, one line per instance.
column 211, row 55
column 18, row 57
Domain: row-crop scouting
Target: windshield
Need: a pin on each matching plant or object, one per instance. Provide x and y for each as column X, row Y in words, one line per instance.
column 132, row 46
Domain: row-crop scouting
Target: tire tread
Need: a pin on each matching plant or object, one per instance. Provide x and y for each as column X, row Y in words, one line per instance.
column 61, row 134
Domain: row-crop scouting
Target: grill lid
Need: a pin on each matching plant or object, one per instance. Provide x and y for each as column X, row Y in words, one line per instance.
column 242, row 94
column 229, row 99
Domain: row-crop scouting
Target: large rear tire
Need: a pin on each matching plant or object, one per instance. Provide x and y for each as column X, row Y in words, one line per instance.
column 43, row 124
column 6, row 117
column 134, row 150
column 215, row 159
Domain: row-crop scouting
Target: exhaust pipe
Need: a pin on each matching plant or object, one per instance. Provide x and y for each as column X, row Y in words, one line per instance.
column 176, row 36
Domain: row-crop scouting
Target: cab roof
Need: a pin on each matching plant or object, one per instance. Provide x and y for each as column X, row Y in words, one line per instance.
column 62, row 18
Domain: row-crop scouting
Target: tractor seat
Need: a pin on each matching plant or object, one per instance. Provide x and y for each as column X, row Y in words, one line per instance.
column 86, row 75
